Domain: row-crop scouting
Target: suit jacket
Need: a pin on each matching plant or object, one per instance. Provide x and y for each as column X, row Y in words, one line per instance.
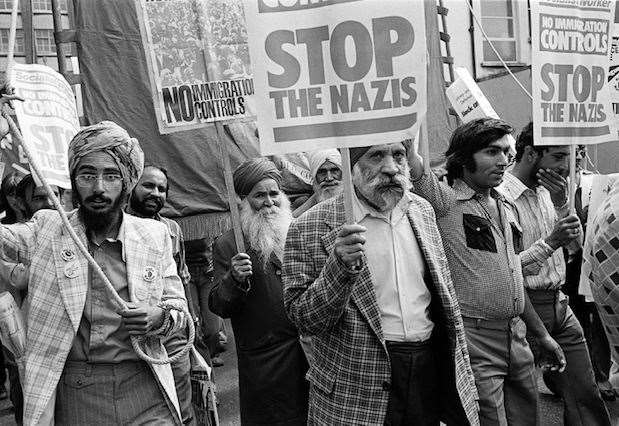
column 350, row 378
column 272, row 365
column 57, row 289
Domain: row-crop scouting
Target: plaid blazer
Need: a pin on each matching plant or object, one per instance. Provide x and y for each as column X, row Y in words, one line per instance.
column 57, row 289
column 349, row 380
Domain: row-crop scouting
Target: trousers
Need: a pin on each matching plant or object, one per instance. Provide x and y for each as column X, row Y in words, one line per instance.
column 576, row 385
column 502, row 363
column 126, row 393
column 414, row 397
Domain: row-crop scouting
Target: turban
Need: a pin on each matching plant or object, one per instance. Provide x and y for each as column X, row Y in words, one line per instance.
column 318, row 158
column 357, row 153
column 248, row 174
column 109, row 137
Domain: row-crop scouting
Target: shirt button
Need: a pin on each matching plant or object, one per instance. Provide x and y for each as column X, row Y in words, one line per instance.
column 386, row 386
column 79, row 382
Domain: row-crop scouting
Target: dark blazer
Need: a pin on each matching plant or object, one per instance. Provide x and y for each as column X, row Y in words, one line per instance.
column 271, row 362
column 350, row 378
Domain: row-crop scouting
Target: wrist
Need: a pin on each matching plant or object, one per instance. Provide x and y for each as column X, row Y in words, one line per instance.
column 552, row 243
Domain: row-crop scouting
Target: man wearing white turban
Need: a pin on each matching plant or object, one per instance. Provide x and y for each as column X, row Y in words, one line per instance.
column 79, row 361
column 326, row 172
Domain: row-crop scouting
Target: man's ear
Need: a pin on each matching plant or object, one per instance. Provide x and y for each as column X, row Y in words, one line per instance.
column 530, row 154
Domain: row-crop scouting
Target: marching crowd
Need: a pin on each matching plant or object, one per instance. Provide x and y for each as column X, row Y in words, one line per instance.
column 435, row 304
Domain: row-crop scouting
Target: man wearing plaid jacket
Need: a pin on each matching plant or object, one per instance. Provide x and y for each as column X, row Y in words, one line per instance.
column 378, row 301
column 80, row 367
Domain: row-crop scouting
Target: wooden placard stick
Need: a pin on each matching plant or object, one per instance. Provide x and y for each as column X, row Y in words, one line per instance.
column 235, row 217
column 572, row 193
column 424, row 144
column 348, row 186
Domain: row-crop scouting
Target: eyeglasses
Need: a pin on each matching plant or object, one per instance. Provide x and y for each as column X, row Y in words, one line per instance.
column 109, row 180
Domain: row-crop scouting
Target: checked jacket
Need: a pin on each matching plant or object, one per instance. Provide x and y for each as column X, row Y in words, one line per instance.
column 350, row 378
column 58, row 283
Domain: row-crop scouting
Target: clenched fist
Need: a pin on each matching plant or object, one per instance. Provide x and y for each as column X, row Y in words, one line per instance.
column 241, row 267
column 349, row 245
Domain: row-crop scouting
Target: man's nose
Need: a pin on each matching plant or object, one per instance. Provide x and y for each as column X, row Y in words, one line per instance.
column 389, row 166
column 268, row 201
column 97, row 187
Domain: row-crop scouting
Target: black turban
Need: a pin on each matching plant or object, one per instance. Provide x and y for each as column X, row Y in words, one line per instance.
column 357, row 153
column 248, row 174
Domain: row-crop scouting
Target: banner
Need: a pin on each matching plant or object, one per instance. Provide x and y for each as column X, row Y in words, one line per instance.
column 47, row 118
column 571, row 43
column 198, row 61
column 338, row 73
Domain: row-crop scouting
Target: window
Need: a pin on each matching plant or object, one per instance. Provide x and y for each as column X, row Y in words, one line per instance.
column 42, row 5
column 45, row 42
column 506, row 24
column 46, row 5
column 4, row 41
column 7, row 5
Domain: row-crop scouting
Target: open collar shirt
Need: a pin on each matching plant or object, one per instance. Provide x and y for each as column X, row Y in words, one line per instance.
column 102, row 336
column 482, row 253
column 397, row 266
column 543, row 267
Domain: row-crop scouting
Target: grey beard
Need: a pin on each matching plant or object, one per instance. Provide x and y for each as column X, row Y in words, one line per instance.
column 370, row 187
column 266, row 229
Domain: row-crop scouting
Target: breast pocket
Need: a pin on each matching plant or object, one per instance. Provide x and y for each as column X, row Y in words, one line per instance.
column 478, row 233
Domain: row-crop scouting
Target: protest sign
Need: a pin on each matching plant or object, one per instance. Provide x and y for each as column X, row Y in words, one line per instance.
column 613, row 72
column 570, row 55
column 469, row 101
column 198, row 61
column 338, row 73
column 47, row 118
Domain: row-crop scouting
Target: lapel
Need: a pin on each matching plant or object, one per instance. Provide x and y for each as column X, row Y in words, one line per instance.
column 133, row 244
column 72, row 269
column 363, row 295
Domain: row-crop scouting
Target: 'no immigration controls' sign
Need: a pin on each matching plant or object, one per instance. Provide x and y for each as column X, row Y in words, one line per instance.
column 336, row 73
column 571, row 42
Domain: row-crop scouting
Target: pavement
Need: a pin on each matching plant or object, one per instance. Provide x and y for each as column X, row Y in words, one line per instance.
column 226, row 378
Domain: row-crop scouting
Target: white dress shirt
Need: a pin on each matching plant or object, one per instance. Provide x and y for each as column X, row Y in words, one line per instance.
column 397, row 267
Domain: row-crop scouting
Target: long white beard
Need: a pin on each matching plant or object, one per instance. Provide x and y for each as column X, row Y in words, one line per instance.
column 373, row 187
column 266, row 228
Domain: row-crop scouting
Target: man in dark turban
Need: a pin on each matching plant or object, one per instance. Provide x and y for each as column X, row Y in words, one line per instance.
column 80, row 367
column 248, row 289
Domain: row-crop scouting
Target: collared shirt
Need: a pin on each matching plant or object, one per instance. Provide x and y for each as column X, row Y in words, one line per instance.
column 102, row 336
column 481, row 253
column 397, row 267
column 543, row 267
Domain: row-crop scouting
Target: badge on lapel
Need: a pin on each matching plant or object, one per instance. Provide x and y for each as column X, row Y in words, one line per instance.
column 71, row 269
column 150, row 274
column 67, row 255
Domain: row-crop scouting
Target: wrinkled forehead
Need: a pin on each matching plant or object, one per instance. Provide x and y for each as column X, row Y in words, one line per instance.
column 98, row 161
column 392, row 148
column 328, row 166
column 265, row 185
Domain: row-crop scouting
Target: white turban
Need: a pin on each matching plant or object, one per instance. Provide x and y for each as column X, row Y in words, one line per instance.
column 318, row 158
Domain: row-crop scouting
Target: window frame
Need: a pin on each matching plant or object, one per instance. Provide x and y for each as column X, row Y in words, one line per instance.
column 521, row 28
column 19, row 34
column 40, row 51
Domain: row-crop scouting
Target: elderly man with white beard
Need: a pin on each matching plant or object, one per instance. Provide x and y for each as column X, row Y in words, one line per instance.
column 248, row 290
column 326, row 172
column 377, row 299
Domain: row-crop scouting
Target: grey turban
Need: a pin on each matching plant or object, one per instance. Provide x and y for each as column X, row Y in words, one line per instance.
column 109, row 137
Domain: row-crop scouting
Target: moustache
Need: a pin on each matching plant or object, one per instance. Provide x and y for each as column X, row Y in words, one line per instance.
column 98, row 199
column 154, row 199
column 391, row 183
